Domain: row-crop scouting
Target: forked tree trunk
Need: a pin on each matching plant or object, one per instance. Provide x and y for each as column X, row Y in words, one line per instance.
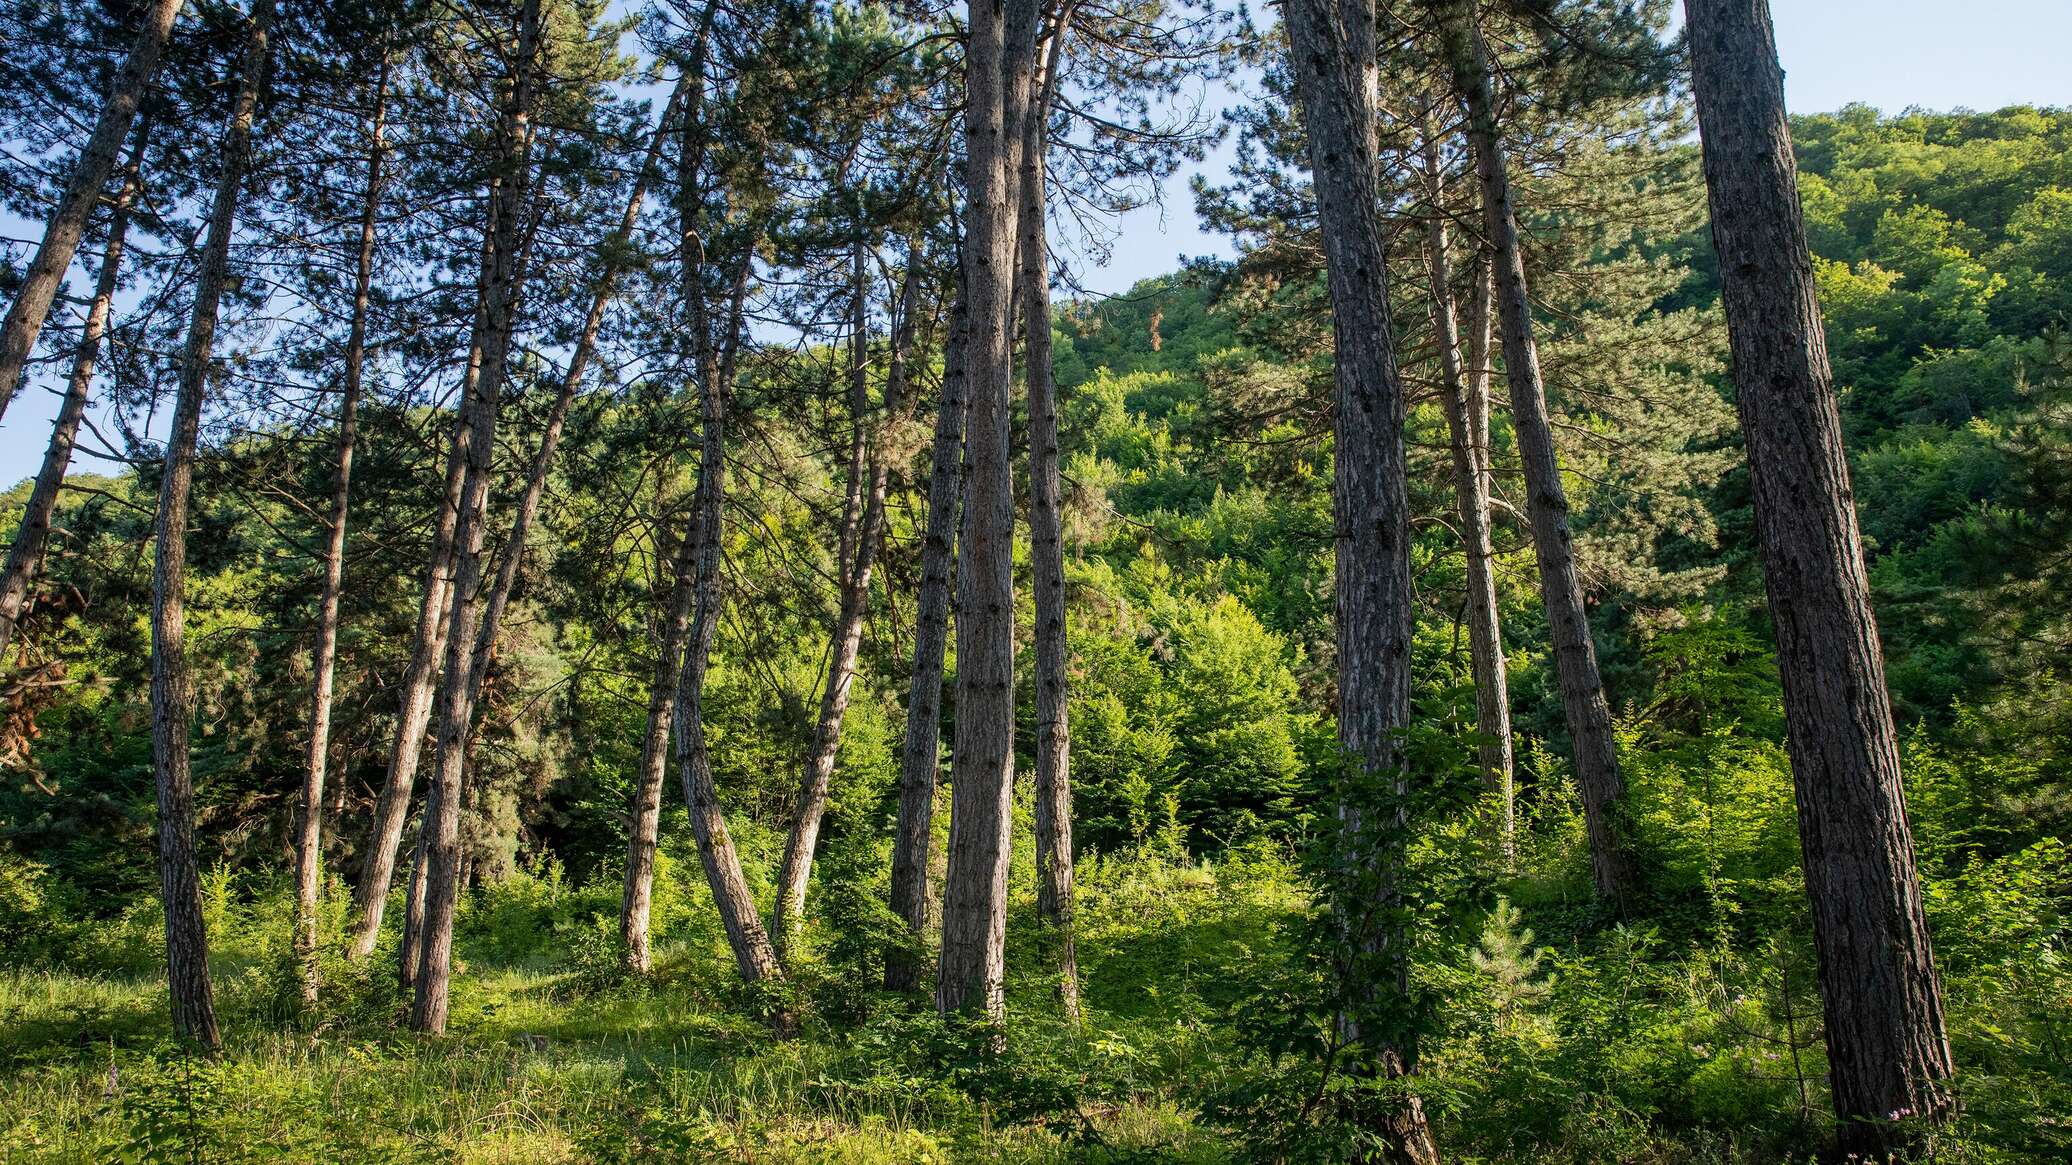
column 1583, row 702
column 864, row 543
column 1888, row 1048
column 1333, row 50
column 920, row 748
column 1054, row 906
column 456, row 720
column 754, row 955
column 32, row 537
column 971, row 973
column 309, row 845
column 172, row 705
column 83, row 188
column 427, row 647
column 1471, row 496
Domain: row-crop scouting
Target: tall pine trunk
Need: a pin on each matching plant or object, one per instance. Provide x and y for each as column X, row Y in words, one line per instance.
column 309, row 845
column 863, row 533
column 1888, row 1049
column 1584, row 707
column 1332, row 48
column 754, row 954
column 921, row 746
column 1046, row 538
column 441, row 826
column 420, row 676
column 32, row 537
column 971, row 972
column 172, row 705
column 83, row 188
column 644, row 829
column 1467, row 428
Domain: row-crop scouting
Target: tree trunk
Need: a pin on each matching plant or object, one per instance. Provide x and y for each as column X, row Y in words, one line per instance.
column 864, row 543
column 172, row 707
column 32, row 537
column 427, row 647
column 644, row 830
column 1583, row 703
column 1888, row 1050
column 754, row 955
column 82, row 192
column 1333, row 51
column 1046, row 540
column 971, row 974
column 443, row 799
column 309, row 846
column 1467, row 426
column 920, row 748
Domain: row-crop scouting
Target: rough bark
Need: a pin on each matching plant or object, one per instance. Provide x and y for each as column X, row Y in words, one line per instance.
column 920, row 748
column 1584, row 707
column 1469, row 446
column 324, row 657
column 427, row 647
column 971, row 972
column 1333, row 50
column 172, row 707
column 32, row 537
column 644, row 828
column 1888, row 1049
column 83, row 188
column 1054, row 906
column 847, row 639
column 754, row 955
column 456, row 712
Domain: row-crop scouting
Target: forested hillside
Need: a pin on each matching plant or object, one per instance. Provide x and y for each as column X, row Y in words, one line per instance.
column 610, row 414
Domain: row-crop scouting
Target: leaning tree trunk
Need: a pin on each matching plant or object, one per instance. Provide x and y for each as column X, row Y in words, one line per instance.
column 972, row 971
column 1332, row 48
column 644, row 830
column 83, row 187
column 1046, row 540
column 309, row 846
column 1471, row 494
column 864, row 543
column 172, row 706
column 919, row 756
column 1583, row 702
column 1888, row 1050
column 32, row 537
column 754, row 955
column 427, row 646
column 443, row 798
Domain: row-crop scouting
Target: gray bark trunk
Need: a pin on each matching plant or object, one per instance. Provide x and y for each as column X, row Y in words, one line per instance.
column 644, row 830
column 921, row 747
column 427, row 647
column 1333, row 50
column 83, row 188
column 971, row 973
column 1583, row 702
column 172, row 707
column 754, row 955
column 32, row 537
column 1054, row 905
column 847, row 639
column 1888, row 1048
column 443, row 798
column 1466, row 425
column 309, row 845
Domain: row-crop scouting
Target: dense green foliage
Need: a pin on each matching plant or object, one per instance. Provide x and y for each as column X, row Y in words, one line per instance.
column 1199, row 542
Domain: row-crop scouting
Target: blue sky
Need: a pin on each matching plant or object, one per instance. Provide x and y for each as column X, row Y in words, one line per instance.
column 1981, row 54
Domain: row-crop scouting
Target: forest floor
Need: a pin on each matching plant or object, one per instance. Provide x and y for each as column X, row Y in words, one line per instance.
column 553, row 1057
